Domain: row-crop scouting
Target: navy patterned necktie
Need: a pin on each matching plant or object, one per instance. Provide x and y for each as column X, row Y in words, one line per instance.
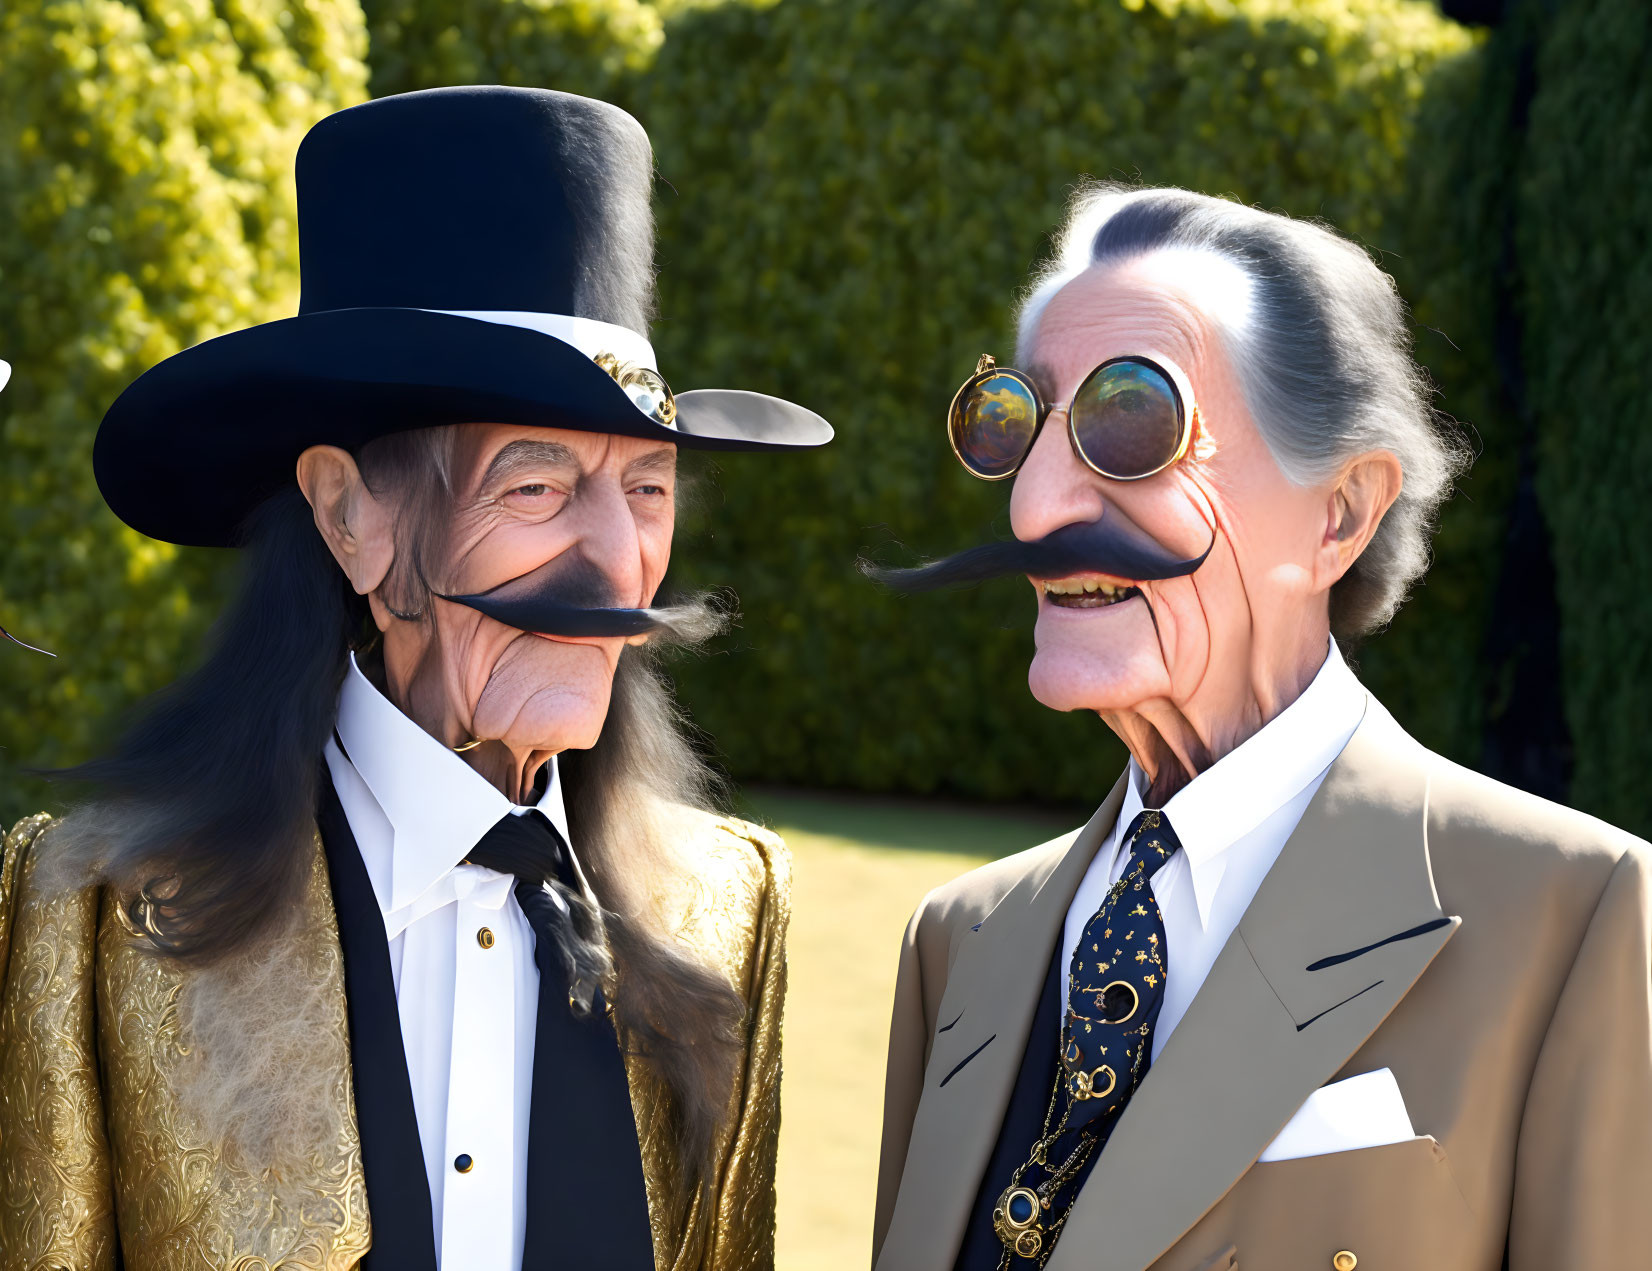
column 1115, row 989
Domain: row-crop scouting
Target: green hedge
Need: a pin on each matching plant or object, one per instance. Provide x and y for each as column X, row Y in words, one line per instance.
column 579, row 46
column 1584, row 182
column 1452, row 223
column 847, row 222
column 1529, row 192
column 853, row 191
column 145, row 203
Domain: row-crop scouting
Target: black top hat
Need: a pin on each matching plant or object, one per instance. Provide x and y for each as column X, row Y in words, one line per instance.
column 467, row 255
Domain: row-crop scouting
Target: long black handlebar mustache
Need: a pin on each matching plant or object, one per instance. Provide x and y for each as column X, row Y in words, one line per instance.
column 575, row 599
column 1112, row 544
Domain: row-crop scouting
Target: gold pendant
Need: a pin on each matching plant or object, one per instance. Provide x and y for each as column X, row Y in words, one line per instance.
column 1015, row 1222
column 1087, row 1085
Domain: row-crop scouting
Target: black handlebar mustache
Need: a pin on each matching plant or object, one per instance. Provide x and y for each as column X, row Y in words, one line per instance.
column 575, row 599
column 1111, row 544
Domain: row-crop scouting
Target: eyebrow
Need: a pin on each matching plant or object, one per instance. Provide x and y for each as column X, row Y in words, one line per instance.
column 523, row 456
column 662, row 461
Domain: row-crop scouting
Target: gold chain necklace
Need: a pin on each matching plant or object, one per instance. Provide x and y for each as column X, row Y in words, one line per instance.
column 1017, row 1218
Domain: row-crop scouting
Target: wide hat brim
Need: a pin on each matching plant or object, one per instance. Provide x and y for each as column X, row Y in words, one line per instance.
column 197, row 442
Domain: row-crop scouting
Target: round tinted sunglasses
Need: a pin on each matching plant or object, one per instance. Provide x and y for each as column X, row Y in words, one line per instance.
column 1128, row 419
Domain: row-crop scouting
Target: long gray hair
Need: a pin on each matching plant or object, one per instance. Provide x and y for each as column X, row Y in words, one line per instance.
column 203, row 816
column 1318, row 337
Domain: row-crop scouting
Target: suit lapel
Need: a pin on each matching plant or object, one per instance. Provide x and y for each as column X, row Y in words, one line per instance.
column 1342, row 926
column 183, row 1197
column 991, row 996
column 398, row 1191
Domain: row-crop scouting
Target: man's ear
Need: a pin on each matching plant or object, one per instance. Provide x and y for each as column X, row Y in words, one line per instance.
column 355, row 525
column 1358, row 501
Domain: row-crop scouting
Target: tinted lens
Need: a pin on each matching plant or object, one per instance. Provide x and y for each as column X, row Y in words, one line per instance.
column 992, row 425
column 1127, row 420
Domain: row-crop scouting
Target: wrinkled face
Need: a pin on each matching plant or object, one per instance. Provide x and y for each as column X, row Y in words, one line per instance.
column 523, row 497
column 1200, row 644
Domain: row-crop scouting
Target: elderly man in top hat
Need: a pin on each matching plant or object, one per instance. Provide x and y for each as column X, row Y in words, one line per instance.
column 1301, row 995
column 408, row 943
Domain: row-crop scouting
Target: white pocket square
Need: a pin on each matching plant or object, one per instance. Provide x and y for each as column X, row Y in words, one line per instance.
column 1362, row 1111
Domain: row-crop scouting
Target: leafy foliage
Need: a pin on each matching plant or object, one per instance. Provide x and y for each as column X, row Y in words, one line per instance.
column 852, row 193
column 145, row 204
column 1526, row 266
column 1586, row 277
column 578, row 46
column 1449, row 257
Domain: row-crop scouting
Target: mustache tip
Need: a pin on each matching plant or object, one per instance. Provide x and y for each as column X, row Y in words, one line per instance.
column 22, row 644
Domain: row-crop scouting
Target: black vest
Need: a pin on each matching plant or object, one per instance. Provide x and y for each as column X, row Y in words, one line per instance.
column 587, row 1205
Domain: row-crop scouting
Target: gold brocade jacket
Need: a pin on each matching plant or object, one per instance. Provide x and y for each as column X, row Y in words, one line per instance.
column 97, row 1151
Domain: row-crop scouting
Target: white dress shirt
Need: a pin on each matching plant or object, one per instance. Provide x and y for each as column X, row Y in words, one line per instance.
column 468, row 1000
column 1232, row 821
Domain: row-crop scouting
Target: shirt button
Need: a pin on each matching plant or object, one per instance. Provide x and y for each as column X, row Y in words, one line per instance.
column 1344, row 1261
column 484, row 937
column 463, row 1164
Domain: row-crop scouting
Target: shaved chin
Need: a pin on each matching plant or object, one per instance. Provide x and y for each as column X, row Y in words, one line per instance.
column 1105, row 661
column 545, row 695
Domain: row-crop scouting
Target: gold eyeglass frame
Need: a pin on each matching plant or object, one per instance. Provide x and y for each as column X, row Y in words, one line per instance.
column 1187, row 414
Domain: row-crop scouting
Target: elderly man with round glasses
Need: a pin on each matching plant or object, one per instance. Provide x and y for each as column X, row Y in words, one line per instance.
column 1301, row 994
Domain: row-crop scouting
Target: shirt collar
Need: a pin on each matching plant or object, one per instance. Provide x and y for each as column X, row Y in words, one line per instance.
column 437, row 805
column 1255, row 779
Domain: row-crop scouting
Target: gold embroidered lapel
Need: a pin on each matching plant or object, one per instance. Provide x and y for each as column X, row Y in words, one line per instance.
column 1341, row 928
column 182, row 1203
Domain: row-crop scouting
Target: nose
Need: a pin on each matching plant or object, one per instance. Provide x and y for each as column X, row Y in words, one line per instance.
column 1053, row 488
column 606, row 535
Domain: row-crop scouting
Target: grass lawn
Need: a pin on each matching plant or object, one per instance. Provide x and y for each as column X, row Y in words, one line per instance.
column 862, row 866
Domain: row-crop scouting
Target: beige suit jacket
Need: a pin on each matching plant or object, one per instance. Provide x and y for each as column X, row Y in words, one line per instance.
column 1492, row 949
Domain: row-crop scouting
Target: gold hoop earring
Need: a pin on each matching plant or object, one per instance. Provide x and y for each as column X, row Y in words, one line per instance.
column 469, row 745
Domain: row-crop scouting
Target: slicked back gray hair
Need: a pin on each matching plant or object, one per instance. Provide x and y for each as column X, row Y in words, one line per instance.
column 1322, row 352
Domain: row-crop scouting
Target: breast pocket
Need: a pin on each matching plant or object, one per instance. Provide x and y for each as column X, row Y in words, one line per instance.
column 1393, row 1208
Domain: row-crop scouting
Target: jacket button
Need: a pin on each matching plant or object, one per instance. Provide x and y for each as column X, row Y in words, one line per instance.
column 484, row 937
column 463, row 1163
column 1344, row 1261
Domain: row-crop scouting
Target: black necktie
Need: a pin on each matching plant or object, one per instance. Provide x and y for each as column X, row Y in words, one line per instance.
column 587, row 1202
column 530, row 847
